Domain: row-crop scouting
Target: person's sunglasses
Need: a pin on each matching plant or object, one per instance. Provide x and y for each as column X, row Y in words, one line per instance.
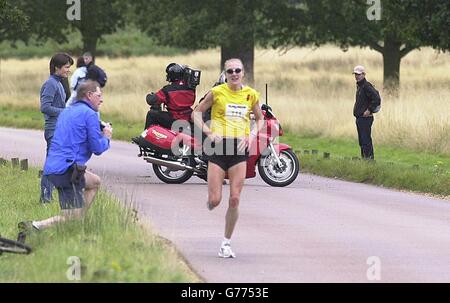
column 231, row 71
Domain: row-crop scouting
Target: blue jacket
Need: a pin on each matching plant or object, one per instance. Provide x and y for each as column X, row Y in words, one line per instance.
column 77, row 137
column 53, row 101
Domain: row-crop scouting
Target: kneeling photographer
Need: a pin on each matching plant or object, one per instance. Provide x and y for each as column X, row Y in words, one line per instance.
column 178, row 96
column 77, row 137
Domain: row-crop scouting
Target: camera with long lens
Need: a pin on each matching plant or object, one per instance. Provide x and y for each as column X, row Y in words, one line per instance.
column 191, row 77
column 104, row 124
column 180, row 72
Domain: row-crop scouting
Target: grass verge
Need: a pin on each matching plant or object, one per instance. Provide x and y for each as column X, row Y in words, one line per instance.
column 424, row 180
column 347, row 148
column 110, row 244
column 395, row 167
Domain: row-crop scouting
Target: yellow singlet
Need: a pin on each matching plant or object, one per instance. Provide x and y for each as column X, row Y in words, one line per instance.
column 230, row 112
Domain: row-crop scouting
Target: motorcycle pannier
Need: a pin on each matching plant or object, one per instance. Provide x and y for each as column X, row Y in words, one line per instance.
column 157, row 138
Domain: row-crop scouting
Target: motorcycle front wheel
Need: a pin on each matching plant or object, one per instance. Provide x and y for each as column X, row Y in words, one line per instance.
column 171, row 176
column 273, row 174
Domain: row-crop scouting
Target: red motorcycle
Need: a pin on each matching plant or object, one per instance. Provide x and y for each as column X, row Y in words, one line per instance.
column 177, row 156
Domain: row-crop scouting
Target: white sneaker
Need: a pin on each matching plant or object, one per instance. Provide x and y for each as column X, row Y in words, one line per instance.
column 226, row 252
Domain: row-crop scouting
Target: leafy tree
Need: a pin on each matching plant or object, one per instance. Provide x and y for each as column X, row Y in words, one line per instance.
column 48, row 19
column 13, row 22
column 436, row 29
column 98, row 18
column 404, row 25
column 191, row 24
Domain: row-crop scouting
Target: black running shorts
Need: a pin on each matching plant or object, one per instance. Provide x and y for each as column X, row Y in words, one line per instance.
column 226, row 153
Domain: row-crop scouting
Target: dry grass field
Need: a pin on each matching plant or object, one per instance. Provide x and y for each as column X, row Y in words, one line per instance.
column 311, row 90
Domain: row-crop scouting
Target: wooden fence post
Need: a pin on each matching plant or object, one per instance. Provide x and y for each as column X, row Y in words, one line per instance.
column 15, row 162
column 24, row 164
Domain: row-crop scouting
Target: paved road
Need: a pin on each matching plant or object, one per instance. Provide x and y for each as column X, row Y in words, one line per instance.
column 315, row 230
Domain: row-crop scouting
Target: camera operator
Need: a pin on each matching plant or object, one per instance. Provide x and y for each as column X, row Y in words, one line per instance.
column 178, row 97
column 77, row 137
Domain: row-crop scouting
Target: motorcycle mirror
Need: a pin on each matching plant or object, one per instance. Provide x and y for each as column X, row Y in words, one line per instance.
column 267, row 109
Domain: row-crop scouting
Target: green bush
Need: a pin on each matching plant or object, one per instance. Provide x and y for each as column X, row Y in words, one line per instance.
column 123, row 43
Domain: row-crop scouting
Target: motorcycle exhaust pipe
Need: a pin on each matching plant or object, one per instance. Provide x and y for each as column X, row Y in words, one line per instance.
column 170, row 164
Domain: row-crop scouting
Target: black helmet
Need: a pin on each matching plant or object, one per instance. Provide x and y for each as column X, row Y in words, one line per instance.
column 174, row 72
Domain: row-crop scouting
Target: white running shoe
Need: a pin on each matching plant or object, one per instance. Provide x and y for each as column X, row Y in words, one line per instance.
column 226, row 252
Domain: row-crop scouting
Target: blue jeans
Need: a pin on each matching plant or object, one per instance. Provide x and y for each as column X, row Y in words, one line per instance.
column 46, row 184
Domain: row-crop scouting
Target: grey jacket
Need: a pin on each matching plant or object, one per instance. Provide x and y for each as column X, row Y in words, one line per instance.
column 53, row 101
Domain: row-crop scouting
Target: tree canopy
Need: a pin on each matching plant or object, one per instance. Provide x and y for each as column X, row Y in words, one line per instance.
column 232, row 25
column 98, row 18
column 48, row 19
column 13, row 22
column 394, row 28
column 400, row 27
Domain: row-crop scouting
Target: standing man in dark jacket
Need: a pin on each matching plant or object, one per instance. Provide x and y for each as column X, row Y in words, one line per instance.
column 367, row 102
column 53, row 101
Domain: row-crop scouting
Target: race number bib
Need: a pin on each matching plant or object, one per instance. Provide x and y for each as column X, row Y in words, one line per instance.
column 236, row 111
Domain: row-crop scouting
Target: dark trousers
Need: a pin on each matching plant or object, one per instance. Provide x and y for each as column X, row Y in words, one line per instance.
column 159, row 117
column 46, row 184
column 364, row 127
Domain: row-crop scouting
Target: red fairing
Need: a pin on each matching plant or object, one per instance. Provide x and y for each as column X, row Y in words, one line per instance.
column 160, row 136
column 251, row 166
column 281, row 146
column 183, row 139
column 273, row 128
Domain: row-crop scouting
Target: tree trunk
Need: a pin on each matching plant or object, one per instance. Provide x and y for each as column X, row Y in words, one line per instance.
column 243, row 51
column 89, row 43
column 391, row 65
column 239, row 37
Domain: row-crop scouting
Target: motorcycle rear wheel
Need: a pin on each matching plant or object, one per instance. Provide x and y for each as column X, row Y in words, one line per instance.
column 169, row 176
column 277, row 176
